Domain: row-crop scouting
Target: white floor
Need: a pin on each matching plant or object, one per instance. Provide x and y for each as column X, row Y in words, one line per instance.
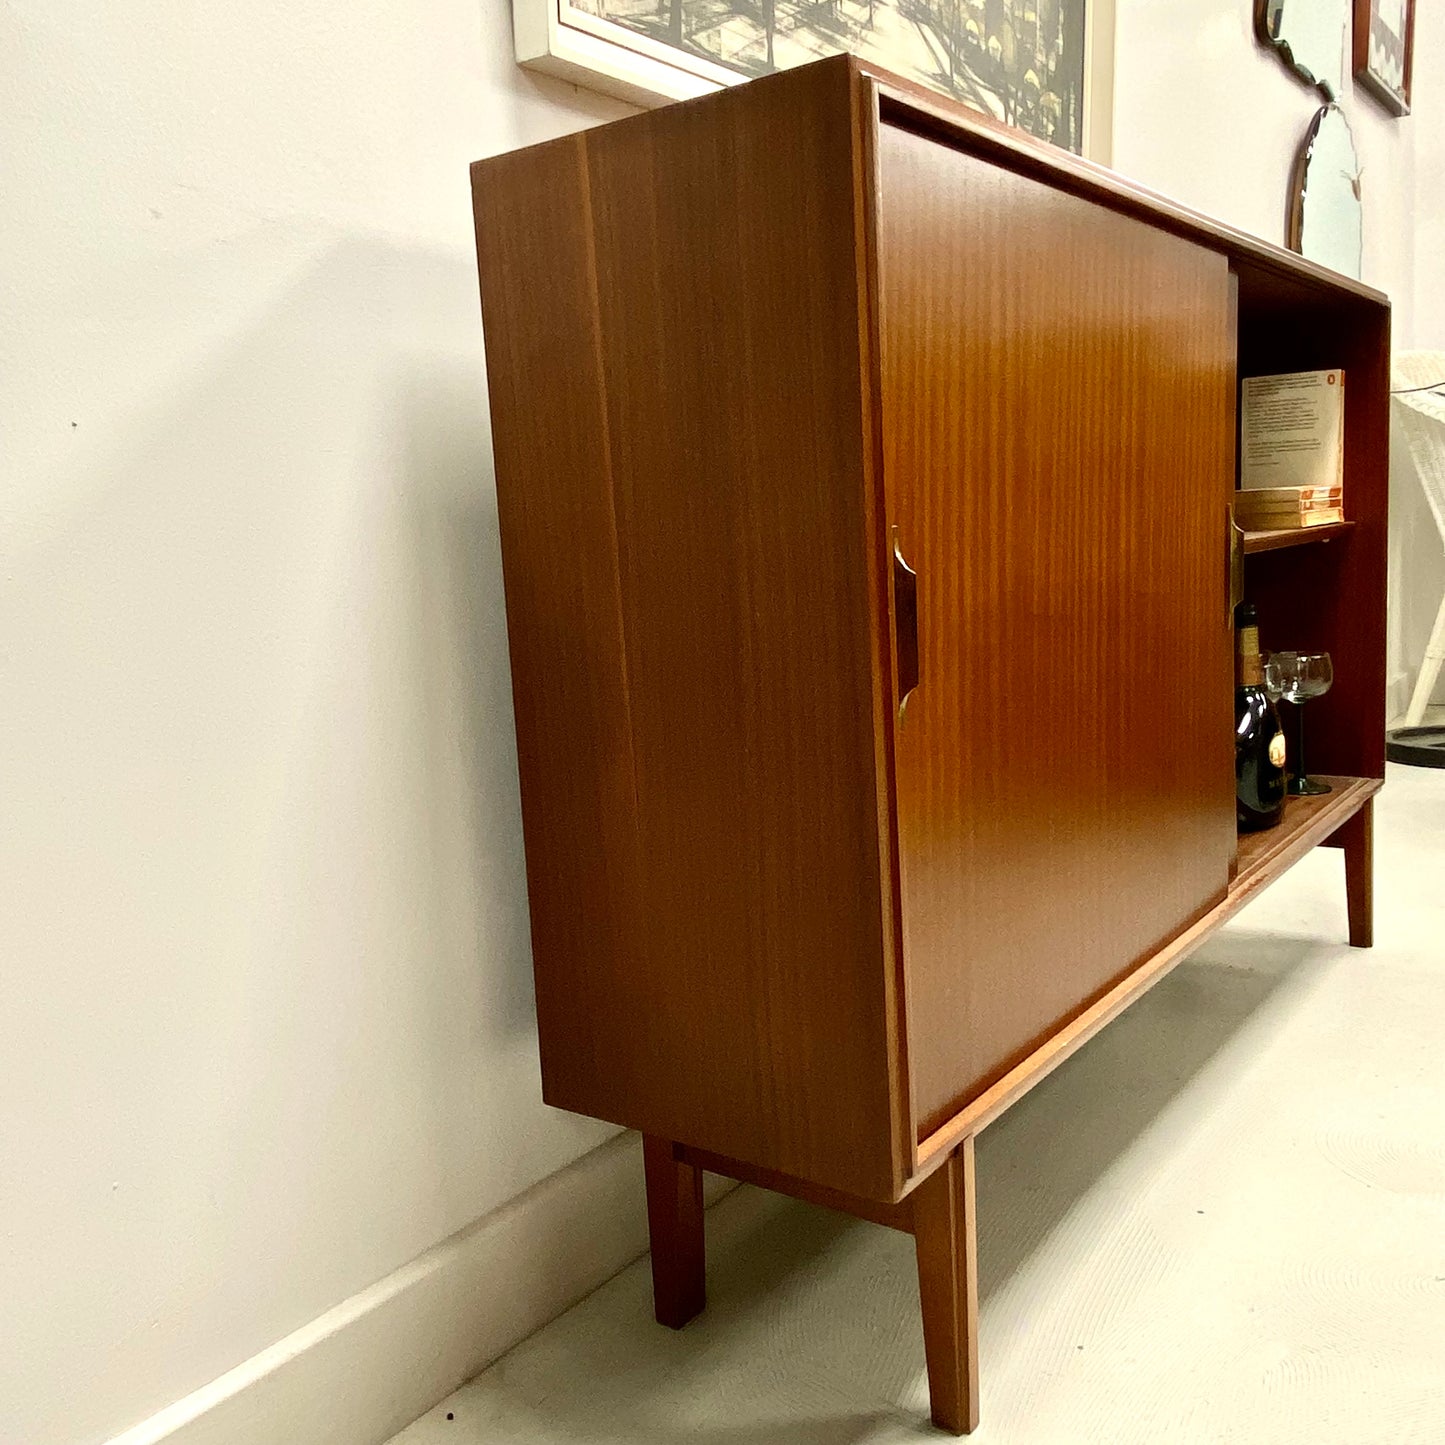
column 1224, row 1220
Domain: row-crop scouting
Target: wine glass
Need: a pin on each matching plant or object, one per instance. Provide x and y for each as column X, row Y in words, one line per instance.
column 1297, row 677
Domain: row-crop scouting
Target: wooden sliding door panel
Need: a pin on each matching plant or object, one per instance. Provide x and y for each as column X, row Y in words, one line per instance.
column 1057, row 405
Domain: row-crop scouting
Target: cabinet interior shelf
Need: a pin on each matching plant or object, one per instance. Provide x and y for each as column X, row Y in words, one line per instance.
column 1262, row 857
column 1294, row 536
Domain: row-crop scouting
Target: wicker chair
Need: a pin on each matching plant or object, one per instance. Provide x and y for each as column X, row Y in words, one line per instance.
column 1420, row 421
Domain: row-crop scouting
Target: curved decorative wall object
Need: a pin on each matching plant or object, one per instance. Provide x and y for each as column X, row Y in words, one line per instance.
column 1309, row 36
column 1325, row 212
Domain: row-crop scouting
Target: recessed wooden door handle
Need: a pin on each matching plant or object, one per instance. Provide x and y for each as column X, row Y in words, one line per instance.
column 905, row 624
column 1236, row 565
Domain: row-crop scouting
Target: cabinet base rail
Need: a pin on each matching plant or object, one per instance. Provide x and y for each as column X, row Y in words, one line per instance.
column 939, row 1214
column 938, row 1209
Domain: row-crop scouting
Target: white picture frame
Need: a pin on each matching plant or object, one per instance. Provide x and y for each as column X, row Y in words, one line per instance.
column 563, row 39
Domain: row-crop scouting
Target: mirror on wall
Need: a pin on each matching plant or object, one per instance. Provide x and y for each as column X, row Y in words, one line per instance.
column 1310, row 36
column 1326, row 218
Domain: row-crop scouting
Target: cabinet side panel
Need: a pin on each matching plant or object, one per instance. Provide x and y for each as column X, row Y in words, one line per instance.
column 564, row 619
column 1057, row 405
column 735, row 996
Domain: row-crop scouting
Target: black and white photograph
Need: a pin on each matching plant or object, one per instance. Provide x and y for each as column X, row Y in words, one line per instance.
column 1020, row 61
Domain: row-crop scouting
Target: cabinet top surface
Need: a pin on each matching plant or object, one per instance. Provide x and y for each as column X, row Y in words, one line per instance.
column 908, row 103
column 1275, row 272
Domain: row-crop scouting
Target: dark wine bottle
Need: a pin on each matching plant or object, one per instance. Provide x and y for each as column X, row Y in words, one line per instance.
column 1259, row 777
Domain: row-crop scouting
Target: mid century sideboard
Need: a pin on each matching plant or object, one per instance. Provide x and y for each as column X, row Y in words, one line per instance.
column 864, row 474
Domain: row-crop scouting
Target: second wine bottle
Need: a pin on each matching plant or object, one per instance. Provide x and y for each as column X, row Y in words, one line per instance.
column 1259, row 752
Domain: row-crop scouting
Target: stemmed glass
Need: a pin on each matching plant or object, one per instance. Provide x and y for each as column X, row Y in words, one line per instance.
column 1297, row 677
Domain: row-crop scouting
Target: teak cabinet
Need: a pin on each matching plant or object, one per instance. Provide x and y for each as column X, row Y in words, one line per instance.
column 864, row 475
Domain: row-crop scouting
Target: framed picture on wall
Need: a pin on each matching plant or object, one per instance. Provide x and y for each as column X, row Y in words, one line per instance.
column 1385, row 50
column 1046, row 66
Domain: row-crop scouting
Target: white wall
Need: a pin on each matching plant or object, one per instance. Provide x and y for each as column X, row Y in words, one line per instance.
column 267, row 1031
column 1417, row 560
column 1429, row 118
column 267, row 1025
column 1205, row 114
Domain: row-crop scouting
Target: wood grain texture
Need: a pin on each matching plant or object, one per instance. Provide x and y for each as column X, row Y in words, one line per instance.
column 1359, row 844
column 1057, row 405
column 945, row 1235
column 560, row 565
column 1357, row 838
column 731, row 346
column 881, row 577
column 688, row 335
column 675, row 1231
column 1279, row 537
column 913, row 107
column 1263, row 858
column 672, row 309
column 891, row 1216
column 1307, row 822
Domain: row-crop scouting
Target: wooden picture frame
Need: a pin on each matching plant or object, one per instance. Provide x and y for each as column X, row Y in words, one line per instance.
column 1384, row 60
column 648, row 58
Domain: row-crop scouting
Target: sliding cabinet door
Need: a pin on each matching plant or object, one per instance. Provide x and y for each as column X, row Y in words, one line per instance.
column 1058, row 433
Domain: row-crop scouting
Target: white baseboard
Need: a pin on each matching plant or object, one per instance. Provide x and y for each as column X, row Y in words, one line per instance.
column 371, row 1365
column 1397, row 696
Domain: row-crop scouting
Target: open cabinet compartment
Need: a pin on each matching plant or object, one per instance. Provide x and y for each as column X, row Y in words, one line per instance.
column 1323, row 590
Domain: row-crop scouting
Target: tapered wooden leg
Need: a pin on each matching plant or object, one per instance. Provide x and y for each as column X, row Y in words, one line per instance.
column 674, row 1222
column 946, row 1241
column 1358, row 838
